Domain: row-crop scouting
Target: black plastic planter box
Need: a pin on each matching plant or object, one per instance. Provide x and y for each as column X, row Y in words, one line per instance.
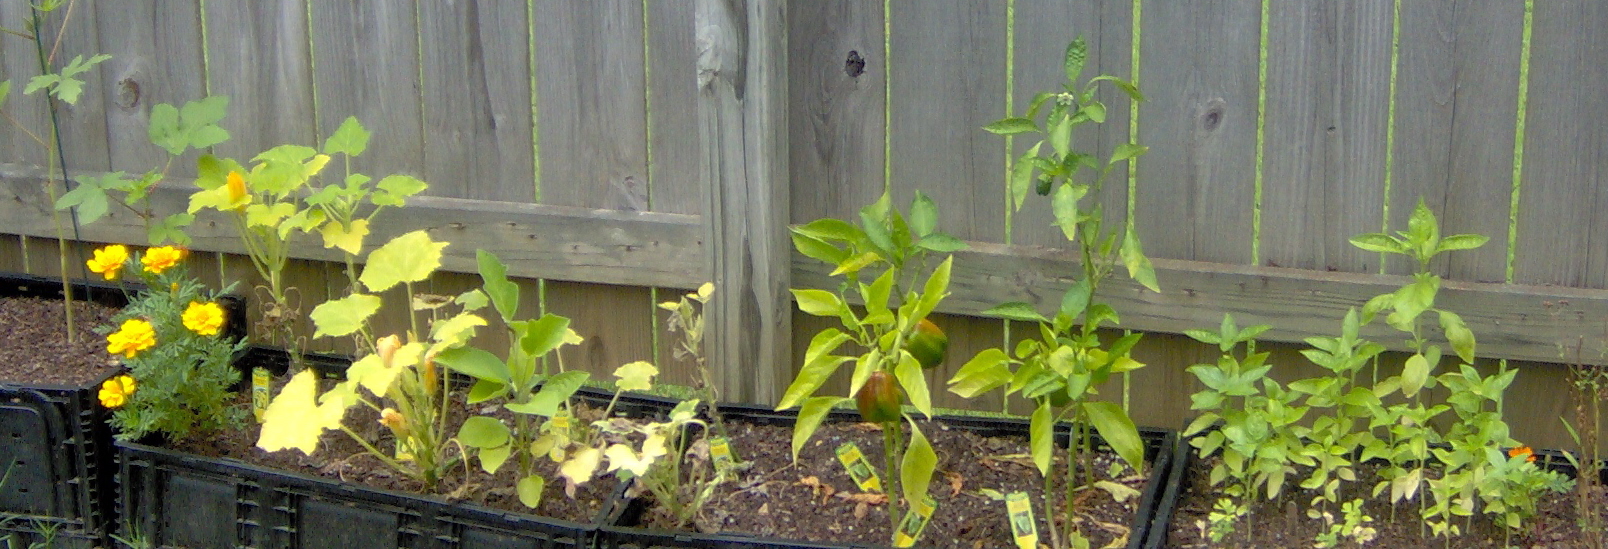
column 619, row 531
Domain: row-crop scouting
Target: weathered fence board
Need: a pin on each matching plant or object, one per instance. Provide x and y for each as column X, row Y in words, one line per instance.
column 1562, row 226
column 1196, row 189
column 30, row 121
column 156, row 58
column 477, row 101
column 366, row 64
column 70, row 32
column 836, row 80
column 1426, row 91
column 672, row 58
column 257, row 55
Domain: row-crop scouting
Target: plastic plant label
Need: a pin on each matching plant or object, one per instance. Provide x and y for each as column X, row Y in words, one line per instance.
column 561, row 420
column 720, row 451
column 914, row 522
column 1023, row 528
column 259, row 392
column 859, row 469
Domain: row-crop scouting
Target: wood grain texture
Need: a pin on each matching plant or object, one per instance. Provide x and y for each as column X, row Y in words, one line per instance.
column 28, row 113
column 258, row 56
column 365, row 65
column 1327, row 102
column 1512, row 321
column 742, row 115
column 1426, row 92
column 1562, row 229
column 1043, row 30
column 673, row 183
column 1199, row 73
column 637, row 248
column 69, row 35
column 477, row 97
column 614, row 320
column 835, row 116
column 1487, row 60
column 156, row 58
column 948, row 78
column 591, row 103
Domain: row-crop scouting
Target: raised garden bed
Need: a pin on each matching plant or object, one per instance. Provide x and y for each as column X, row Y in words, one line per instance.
column 772, row 487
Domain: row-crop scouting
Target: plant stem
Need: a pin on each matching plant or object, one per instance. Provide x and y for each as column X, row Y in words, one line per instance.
column 890, row 447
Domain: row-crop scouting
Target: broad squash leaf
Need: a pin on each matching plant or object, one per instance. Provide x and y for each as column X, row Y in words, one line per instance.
column 343, row 316
column 295, row 420
column 407, row 258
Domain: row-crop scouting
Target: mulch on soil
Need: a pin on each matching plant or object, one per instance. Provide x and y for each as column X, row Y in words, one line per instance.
column 36, row 351
column 816, row 500
column 1282, row 522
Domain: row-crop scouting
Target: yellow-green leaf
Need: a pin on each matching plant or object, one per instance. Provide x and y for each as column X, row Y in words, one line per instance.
column 492, row 459
column 295, row 420
column 622, row 457
column 810, row 416
column 911, row 377
column 530, row 490
column 343, row 316
column 915, row 472
column 407, row 258
column 347, row 239
column 264, row 215
column 377, row 374
column 1041, row 437
column 454, row 331
column 580, row 466
column 636, row 376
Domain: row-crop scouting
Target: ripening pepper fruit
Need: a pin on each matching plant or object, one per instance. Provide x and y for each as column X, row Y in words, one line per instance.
column 928, row 344
column 880, row 398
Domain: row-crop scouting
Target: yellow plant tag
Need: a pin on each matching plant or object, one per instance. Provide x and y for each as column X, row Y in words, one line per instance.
column 1023, row 528
column 720, row 452
column 859, row 469
column 259, row 392
column 561, row 421
column 915, row 521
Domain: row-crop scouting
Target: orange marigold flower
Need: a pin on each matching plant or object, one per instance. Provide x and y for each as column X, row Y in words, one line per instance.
column 109, row 260
column 1522, row 451
column 203, row 318
column 237, row 190
column 133, row 336
column 114, row 392
column 161, row 259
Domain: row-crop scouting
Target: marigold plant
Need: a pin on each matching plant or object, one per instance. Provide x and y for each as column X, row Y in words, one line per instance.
column 115, row 391
column 134, row 336
column 161, row 259
column 108, row 261
column 203, row 318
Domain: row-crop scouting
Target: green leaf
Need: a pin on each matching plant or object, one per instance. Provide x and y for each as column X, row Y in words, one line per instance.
column 810, row 416
column 394, row 190
column 1015, row 310
column 90, row 199
column 163, row 129
column 1379, row 242
column 343, row 316
column 818, row 366
column 504, row 293
column 454, row 331
column 338, row 235
column 1414, row 374
column 819, row 302
column 492, row 459
column 1041, row 436
column 1095, row 111
column 1011, row 126
column 171, row 229
column 1021, row 178
column 1128, row 150
column 1461, row 242
column 476, row 363
column 1064, row 204
column 828, row 228
column 555, row 390
column 5, row 92
column 818, row 249
column 1139, row 267
column 484, row 390
column 1458, row 334
column 530, row 490
column 984, row 372
column 1118, row 431
column 1076, row 298
column 923, row 215
column 1061, row 135
column 483, row 432
column 1077, row 53
column 934, row 291
column 636, row 376
column 914, row 382
column 941, row 243
column 915, row 471
column 411, row 257
column 350, row 139
column 544, row 334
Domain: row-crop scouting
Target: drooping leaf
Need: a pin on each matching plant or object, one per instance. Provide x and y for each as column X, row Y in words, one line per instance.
column 915, row 471
column 1139, row 267
column 818, row 249
column 344, row 316
column 1414, row 373
column 1458, row 334
column 295, row 420
column 914, row 382
column 810, row 416
column 476, row 363
column 923, row 215
column 984, row 372
column 1015, row 310
column 1118, row 431
column 1041, row 436
column 411, row 257
column 348, row 239
column 530, row 490
column 492, row 459
column 1075, row 298
column 580, row 466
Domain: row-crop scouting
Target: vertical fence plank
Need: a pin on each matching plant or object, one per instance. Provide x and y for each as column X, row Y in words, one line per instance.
column 257, row 55
column 1562, row 229
column 83, row 125
column 1426, row 87
column 19, row 62
column 836, row 81
column 1327, row 100
column 673, row 184
column 477, row 99
column 156, row 58
column 742, row 115
column 1487, row 61
column 616, row 325
column 592, row 120
column 1200, row 124
column 365, row 62
column 949, row 53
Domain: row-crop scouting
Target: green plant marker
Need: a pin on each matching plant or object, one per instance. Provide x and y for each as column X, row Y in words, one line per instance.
column 915, row 522
column 1023, row 528
column 859, row 469
column 259, row 392
column 720, row 451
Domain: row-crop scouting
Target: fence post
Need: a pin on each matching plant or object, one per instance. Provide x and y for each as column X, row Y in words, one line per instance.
column 742, row 121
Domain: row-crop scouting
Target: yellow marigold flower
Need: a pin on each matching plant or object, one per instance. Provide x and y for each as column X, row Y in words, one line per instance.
column 1522, row 451
column 203, row 318
column 133, row 336
column 115, row 392
column 237, row 190
column 109, row 260
column 161, row 259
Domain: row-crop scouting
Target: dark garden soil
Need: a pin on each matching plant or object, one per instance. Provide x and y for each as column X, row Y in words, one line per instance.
column 36, row 351
column 340, row 458
column 816, row 500
column 1283, row 522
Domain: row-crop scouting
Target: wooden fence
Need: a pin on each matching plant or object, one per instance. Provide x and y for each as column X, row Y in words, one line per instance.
column 620, row 151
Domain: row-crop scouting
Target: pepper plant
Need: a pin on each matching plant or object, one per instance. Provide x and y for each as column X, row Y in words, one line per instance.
column 1065, row 366
column 891, row 251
